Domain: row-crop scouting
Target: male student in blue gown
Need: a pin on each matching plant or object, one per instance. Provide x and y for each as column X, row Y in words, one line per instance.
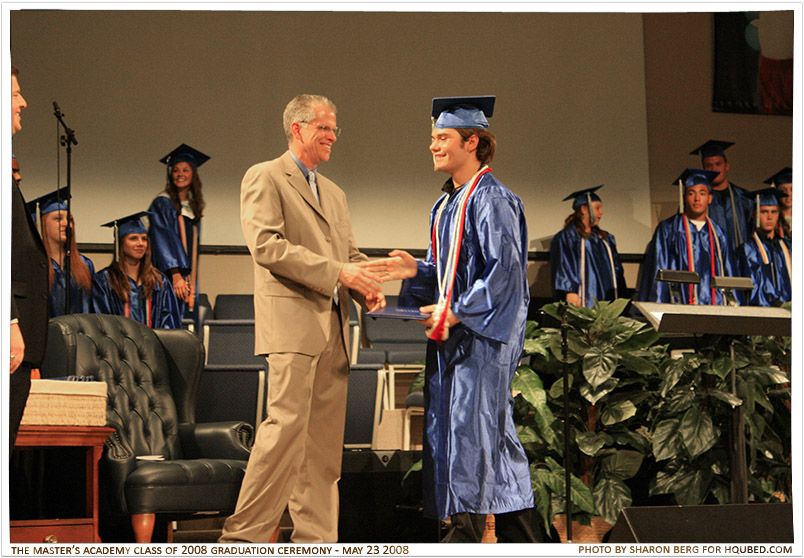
column 731, row 205
column 690, row 232
column 766, row 256
column 474, row 463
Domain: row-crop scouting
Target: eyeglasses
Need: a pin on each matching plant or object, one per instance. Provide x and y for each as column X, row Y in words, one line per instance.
column 326, row 129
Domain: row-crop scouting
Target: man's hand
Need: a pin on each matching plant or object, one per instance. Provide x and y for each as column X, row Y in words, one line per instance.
column 573, row 299
column 356, row 278
column 16, row 347
column 451, row 320
column 375, row 302
column 400, row 265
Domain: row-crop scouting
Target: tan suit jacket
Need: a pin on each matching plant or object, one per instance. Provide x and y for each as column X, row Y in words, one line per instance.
column 298, row 248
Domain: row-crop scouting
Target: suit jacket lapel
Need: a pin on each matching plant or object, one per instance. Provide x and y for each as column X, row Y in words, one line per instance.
column 297, row 180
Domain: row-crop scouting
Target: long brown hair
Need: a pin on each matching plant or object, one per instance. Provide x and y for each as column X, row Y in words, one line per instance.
column 576, row 219
column 196, row 197
column 149, row 276
column 78, row 269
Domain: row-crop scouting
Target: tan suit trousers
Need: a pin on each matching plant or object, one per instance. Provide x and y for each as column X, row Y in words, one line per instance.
column 296, row 458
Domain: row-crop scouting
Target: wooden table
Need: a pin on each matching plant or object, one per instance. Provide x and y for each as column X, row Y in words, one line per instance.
column 79, row 530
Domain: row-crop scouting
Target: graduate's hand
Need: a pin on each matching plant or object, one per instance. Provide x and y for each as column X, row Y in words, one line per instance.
column 375, row 302
column 573, row 299
column 451, row 320
column 400, row 265
column 16, row 348
column 355, row 277
column 180, row 286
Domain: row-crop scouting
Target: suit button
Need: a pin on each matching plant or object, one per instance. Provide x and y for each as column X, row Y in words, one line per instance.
column 329, row 239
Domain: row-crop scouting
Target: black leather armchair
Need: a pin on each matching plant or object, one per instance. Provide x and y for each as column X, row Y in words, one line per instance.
column 152, row 378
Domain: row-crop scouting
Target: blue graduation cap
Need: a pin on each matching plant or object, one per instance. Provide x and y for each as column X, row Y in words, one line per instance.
column 712, row 148
column 690, row 178
column 784, row 176
column 463, row 112
column 130, row 224
column 50, row 202
column 584, row 197
column 768, row 196
column 187, row 154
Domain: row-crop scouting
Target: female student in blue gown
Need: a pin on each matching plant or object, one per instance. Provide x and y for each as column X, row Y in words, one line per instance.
column 175, row 223
column 584, row 262
column 53, row 213
column 131, row 286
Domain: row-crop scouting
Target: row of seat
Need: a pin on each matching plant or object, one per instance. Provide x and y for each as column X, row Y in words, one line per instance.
column 234, row 383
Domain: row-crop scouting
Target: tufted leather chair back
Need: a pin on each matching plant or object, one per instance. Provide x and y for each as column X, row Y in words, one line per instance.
column 129, row 357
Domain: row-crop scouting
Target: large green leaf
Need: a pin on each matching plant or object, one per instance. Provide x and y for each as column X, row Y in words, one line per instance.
column 540, row 479
column 591, row 442
column 599, row 363
column 617, row 412
column 672, row 372
column 679, row 401
column 728, row 398
column 557, row 389
column 581, row 495
column 610, row 311
column 537, row 345
column 644, row 337
column 666, row 440
column 688, row 484
column 595, row 395
column 633, row 439
column 638, row 364
column 721, row 366
column 624, row 464
column 527, row 435
column 611, row 496
column 698, row 433
column 530, row 387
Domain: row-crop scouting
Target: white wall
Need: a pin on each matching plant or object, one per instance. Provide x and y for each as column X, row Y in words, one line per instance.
column 571, row 109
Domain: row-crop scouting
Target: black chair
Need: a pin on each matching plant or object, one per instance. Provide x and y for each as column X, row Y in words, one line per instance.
column 152, row 378
column 363, row 405
column 235, row 381
column 234, row 307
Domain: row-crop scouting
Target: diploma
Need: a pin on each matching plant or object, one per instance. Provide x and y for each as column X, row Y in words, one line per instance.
column 399, row 313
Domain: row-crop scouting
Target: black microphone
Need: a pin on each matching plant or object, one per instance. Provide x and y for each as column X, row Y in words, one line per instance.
column 56, row 107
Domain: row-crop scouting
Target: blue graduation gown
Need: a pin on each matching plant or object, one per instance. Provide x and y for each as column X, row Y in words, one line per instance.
column 473, row 460
column 167, row 250
column 565, row 266
column 771, row 280
column 668, row 250
column 720, row 211
column 164, row 305
column 80, row 300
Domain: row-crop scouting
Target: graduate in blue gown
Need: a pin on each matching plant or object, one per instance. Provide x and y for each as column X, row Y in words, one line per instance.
column 688, row 232
column 131, row 286
column 766, row 257
column 53, row 214
column 783, row 180
column 596, row 273
column 731, row 205
column 473, row 462
column 175, row 224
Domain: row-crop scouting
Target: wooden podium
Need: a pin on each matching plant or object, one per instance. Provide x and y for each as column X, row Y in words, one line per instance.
column 83, row 529
column 722, row 320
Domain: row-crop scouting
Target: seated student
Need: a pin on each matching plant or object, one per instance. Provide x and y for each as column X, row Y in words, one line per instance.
column 783, row 180
column 688, row 241
column 131, row 286
column 765, row 257
column 584, row 262
column 53, row 212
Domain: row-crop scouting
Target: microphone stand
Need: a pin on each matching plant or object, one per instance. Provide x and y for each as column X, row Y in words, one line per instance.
column 68, row 140
column 562, row 311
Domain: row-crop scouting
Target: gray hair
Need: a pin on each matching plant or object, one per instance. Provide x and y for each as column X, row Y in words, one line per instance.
column 302, row 109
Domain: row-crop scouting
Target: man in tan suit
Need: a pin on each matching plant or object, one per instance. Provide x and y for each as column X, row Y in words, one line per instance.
column 297, row 227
